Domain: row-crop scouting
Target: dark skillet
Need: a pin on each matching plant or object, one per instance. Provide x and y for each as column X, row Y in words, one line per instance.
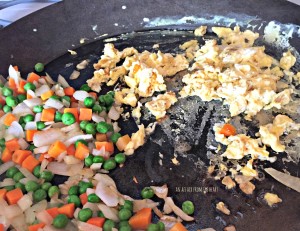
column 62, row 25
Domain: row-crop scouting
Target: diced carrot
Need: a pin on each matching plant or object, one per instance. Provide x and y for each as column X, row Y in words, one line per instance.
column 228, row 130
column 56, row 149
column 53, row 212
column 67, row 209
column 122, row 142
column 178, row 227
column 3, row 192
column 6, row 155
column 74, row 111
column 12, row 84
column 141, row 219
column 69, row 91
column 9, row 119
column 71, row 150
column 30, row 134
column 36, row 227
column 13, row 144
column 93, row 94
column 97, row 221
column 2, row 227
column 48, row 114
column 20, row 155
column 13, row 196
column 21, row 89
column 109, row 146
column 30, row 163
column 47, row 95
column 101, row 137
column 82, row 151
column 42, row 157
column 83, row 198
column 28, row 96
column 85, row 114
column 33, row 77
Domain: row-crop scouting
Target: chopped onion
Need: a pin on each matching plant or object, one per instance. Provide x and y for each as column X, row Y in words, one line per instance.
column 73, row 127
column 33, row 102
column 15, row 130
column 7, row 182
column 92, row 206
column 53, row 103
column 71, row 160
column 5, row 166
column 47, row 137
column 44, row 164
column 62, row 81
column 38, row 117
column 116, row 127
column 51, row 228
column 29, row 216
column 77, row 210
column 31, row 93
column 145, row 203
column 18, row 222
column 96, row 166
column 40, row 206
column 15, row 75
column 49, row 79
column 104, row 192
column 161, row 192
column 83, row 226
column 177, row 210
column 27, row 174
column 78, row 137
column 80, row 95
column 23, row 144
column 12, row 211
column 22, row 109
column 100, row 152
column 25, row 202
column 96, row 118
column 41, row 90
column 61, row 156
column 64, row 169
column 42, row 149
column 113, row 113
column 31, row 125
column 82, row 65
column 90, row 191
column 75, row 74
column 109, row 213
column 44, row 217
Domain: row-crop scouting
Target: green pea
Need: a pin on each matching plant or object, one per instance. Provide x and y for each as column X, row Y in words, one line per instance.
column 97, row 108
column 93, row 198
column 60, row 221
column 83, row 124
column 68, row 118
column 28, row 118
column 147, row 193
column 11, row 172
column 53, row 190
column 66, row 98
column 161, row 226
column 11, row 101
column 29, row 86
column 74, row 199
column 6, row 91
column 108, row 225
column 128, row 205
column 124, row 214
column 89, row 102
column 123, row 223
column 90, row 128
column 2, row 142
column 40, row 125
column 188, row 207
column 20, row 186
column 88, row 161
column 102, row 127
column 21, row 98
column 9, row 187
column 56, row 97
column 125, row 228
column 58, row 116
column 31, row 186
column 39, row 195
column 36, row 171
column 85, row 214
column 80, row 141
column 46, row 186
column 84, row 186
column 47, row 175
column 100, row 214
column 109, row 164
column 39, row 67
column 7, row 109
column 85, row 87
column 18, row 176
column 110, row 127
column 115, row 136
column 153, row 227
column 120, row 158
column 108, row 99
column 112, row 93
column 98, row 159
column 38, row 108
column 73, row 190
column 31, row 147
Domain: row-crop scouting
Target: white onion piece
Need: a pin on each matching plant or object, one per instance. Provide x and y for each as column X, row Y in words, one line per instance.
column 78, row 137
column 96, row 118
column 31, row 125
column 92, row 206
column 4, row 221
column 208, row 229
column 38, row 117
column 161, row 192
column 177, row 210
column 44, row 217
column 18, row 222
column 49, row 79
column 7, row 182
column 53, row 103
column 41, row 81
column 29, row 216
column 77, row 210
column 109, row 213
column 64, row 169
column 31, row 93
column 40, row 206
column 167, row 209
column 42, row 149
column 71, row 160
column 80, row 95
column 27, row 174
column 44, row 164
column 104, row 192
column 41, row 90
column 12, row 211
column 25, row 202
column 75, row 74
column 15, row 130
column 82, row 65
column 51, row 228
column 61, row 156
column 72, row 127
column 47, row 137
column 116, row 127
column 22, row 109
column 90, row 191
column 33, row 102
column 83, row 226
column 100, row 152
column 96, row 166
column 113, row 113
column 145, row 203
column 15, row 75
column 23, row 144
column 62, row 81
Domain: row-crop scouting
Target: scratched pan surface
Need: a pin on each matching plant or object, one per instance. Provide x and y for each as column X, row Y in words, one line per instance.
column 62, row 25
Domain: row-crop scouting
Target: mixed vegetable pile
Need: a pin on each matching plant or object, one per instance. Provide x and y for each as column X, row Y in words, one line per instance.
column 48, row 129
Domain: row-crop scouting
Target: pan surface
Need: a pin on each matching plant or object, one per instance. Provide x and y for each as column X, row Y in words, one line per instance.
column 57, row 33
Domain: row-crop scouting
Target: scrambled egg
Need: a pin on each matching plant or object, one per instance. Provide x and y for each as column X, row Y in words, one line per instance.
column 161, row 103
column 287, row 60
column 228, row 182
column 137, row 140
column 247, row 187
column 223, row 208
column 272, row 199
column 200, row 31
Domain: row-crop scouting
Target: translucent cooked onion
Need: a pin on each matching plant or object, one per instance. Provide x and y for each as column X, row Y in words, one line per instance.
column 33, row 102
column 64, row 169
column 161, row 192
column 109, row 213
column 15, row 130
column 15, row 75
column 83, row 226
column 71, row 160
column 5, row 166
column 7, row 182
column 62, row 81
column 53, row 103
column 23, row 144
column 113, row 113
column 49, row 79
column 31, row 125
column 12, row 211
column 78, row 137
column 25, row 202
column 47, row 137
column 145, row 203
column 80, row 95
column 177, row 210
column 42, row 149
column 27, row 174
column 44, row 217
column 96, row 118
column 75, row 74
column 41, row 90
